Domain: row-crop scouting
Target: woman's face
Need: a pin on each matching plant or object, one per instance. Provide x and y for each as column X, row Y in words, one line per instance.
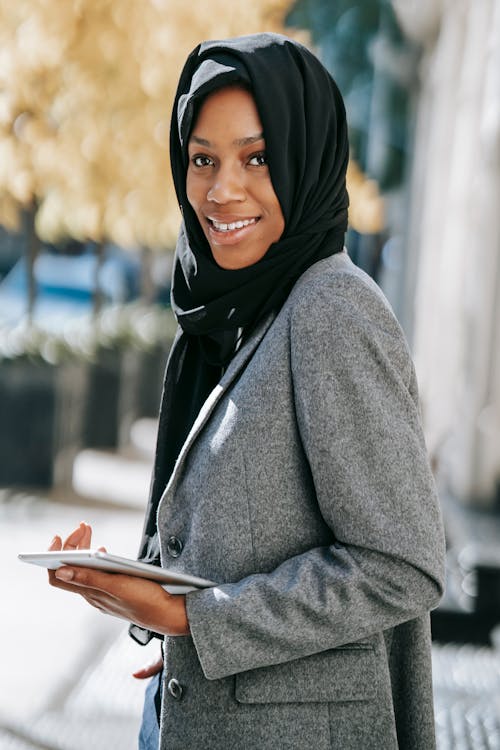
column 228, row 182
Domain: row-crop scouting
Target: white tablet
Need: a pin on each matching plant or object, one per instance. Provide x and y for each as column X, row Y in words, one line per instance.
column 171, row 580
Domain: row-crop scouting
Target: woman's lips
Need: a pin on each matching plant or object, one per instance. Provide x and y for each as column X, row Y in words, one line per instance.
column 230, row 231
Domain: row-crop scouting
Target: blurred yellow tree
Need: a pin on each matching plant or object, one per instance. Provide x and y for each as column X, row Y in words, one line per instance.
column 85, row 96
column 366, row 209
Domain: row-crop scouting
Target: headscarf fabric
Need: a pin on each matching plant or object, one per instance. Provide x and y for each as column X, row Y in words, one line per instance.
column 305, row 132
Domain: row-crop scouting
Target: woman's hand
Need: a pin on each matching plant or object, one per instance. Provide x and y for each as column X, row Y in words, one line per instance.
column 149, row 670
column 137, row 600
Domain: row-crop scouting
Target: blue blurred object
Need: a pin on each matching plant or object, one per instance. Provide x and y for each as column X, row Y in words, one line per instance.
column 65, row 286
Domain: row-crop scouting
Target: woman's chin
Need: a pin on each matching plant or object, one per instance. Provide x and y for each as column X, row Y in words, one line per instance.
column 233, row 257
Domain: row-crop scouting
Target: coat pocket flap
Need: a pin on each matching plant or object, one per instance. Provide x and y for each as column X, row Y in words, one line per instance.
column 343, row 674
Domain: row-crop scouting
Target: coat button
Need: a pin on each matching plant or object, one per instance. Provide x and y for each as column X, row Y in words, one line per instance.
column 174, row 546
column 175, row 689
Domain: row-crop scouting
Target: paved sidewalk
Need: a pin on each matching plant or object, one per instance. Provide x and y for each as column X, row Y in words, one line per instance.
column 65, row 675
column 100, row 709
column 467, row 697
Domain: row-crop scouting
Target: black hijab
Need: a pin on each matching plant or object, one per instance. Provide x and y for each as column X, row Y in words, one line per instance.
column 305, row 131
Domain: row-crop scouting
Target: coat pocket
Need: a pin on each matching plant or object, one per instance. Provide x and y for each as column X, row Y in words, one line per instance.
column 341, row 674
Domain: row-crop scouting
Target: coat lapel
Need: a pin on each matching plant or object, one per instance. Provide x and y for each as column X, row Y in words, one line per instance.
column 235, row 367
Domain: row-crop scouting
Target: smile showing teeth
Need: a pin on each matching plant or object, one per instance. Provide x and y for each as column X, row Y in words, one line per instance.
column 220, row 227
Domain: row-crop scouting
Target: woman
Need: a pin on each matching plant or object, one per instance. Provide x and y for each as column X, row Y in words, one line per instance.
column 291, row 466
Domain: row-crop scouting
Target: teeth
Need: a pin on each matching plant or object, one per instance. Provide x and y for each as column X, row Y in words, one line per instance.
column 234, row 225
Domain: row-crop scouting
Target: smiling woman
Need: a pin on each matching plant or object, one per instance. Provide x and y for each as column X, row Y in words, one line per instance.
column 228, row 182
column 290, row 464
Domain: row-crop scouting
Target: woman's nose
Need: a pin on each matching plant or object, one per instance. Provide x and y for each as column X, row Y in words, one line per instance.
column 227, row 186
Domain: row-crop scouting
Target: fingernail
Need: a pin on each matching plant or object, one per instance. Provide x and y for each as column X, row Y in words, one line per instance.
column 65, row 574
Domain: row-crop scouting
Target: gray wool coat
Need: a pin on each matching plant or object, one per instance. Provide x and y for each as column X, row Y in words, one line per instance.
column 304, row 490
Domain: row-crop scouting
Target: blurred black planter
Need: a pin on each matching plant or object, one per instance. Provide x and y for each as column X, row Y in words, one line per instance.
column 110, row 402
column 41, row 407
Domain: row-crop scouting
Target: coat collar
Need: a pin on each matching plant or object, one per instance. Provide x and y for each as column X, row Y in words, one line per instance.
column 235, row 367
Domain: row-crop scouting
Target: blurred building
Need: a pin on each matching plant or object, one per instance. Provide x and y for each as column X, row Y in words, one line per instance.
column 421, row 81
column 453, row 239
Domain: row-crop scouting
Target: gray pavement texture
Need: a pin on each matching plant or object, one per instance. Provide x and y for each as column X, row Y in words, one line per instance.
column 467, row 697
column 65, row 669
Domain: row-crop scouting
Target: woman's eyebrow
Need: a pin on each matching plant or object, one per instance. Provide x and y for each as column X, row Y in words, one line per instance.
column 200, row 141
column 249, row 139
column 238, row 142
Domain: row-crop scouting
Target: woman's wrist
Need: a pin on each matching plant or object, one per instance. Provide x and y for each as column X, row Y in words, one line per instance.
column 183, row 622
column 174, row 620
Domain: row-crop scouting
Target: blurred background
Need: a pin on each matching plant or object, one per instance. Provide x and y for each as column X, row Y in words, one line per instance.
column 88, row 221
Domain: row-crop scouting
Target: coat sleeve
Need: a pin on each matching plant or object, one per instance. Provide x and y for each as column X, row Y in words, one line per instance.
column 357, row 413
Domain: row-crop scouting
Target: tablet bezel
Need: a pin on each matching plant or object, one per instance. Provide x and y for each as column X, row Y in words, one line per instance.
column 99, row 560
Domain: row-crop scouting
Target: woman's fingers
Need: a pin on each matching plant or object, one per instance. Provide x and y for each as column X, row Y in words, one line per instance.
column 85, row 581
column 80, row 538
column 149, row 669
column 58, row 584
column 56, row 544
column 86, row 540
column 98, row 580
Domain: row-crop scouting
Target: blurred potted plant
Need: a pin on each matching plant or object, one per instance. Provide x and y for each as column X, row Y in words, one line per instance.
column 132, row 343
column 44, row 394
column 41, row 401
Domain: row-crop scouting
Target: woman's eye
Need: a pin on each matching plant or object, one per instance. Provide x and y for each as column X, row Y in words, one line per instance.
column 201, row 161
column 258, row 160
